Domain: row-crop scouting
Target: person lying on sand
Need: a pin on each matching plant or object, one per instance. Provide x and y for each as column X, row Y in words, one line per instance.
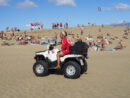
column 118, row 47
column 120, row 44
column 95, row 46
column 125, row 37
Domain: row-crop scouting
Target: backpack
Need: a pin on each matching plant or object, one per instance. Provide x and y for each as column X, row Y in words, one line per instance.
column 80, row 48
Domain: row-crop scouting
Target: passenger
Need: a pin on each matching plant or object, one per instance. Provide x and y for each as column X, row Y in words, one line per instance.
column 65, row 48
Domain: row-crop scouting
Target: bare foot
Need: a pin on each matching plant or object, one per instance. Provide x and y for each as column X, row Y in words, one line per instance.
column 57, row 67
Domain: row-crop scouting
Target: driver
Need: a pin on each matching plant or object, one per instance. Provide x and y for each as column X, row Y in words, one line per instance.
column 65, row 47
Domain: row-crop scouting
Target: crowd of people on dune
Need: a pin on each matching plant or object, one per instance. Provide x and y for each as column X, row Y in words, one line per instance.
column 24, row 39
column 98, row 43
column 101, row 42
column 59, row 25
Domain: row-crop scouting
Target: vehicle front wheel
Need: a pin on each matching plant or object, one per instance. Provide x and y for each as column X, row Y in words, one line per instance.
column 72, row 70
column 40, row 68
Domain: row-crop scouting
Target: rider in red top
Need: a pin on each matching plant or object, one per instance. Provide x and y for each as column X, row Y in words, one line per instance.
column 65, row 48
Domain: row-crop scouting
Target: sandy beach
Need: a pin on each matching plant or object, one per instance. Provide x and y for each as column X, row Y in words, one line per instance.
column 108, row 74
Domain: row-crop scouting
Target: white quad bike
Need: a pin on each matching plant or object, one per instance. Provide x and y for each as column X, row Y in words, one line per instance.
column 72, row 65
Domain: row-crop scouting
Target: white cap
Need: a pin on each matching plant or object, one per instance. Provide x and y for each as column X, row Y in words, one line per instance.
column 63, row 33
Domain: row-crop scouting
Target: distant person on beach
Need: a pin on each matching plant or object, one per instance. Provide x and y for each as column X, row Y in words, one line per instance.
column 66, row 25
column 103, row 43
column 120, row 44
column 7, row 29
column 78, row 38
column 60, row 25
column 81, row 30
column 42, row 26
column 2, row 34
column 57, row 25
column 99, row 30
column 55, row 38
column 65, row 48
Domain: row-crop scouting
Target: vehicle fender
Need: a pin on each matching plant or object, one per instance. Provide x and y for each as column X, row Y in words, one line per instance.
column 73, row 59
column 39, row 57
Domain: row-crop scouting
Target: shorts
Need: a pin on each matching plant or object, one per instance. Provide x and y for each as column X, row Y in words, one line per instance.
column 65, row 52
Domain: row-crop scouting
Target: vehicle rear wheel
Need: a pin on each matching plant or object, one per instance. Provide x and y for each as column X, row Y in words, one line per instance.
column 72, row 70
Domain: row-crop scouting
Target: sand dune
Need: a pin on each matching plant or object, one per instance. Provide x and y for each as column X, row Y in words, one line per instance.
column 108, row 75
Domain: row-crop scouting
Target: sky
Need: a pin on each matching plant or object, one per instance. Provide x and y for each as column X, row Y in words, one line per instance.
column 18, row 13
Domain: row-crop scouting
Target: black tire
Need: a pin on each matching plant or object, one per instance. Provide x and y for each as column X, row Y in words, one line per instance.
column 84, row 68
column 40, row 68
column 72, row 70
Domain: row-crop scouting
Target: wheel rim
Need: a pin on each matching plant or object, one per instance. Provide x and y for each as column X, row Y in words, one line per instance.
column 39, row 69
column 70, row 70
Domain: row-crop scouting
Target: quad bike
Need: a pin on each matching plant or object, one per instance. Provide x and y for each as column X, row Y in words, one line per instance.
column 72, row 65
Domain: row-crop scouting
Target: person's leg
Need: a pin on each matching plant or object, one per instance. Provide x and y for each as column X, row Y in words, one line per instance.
column 58, row 60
